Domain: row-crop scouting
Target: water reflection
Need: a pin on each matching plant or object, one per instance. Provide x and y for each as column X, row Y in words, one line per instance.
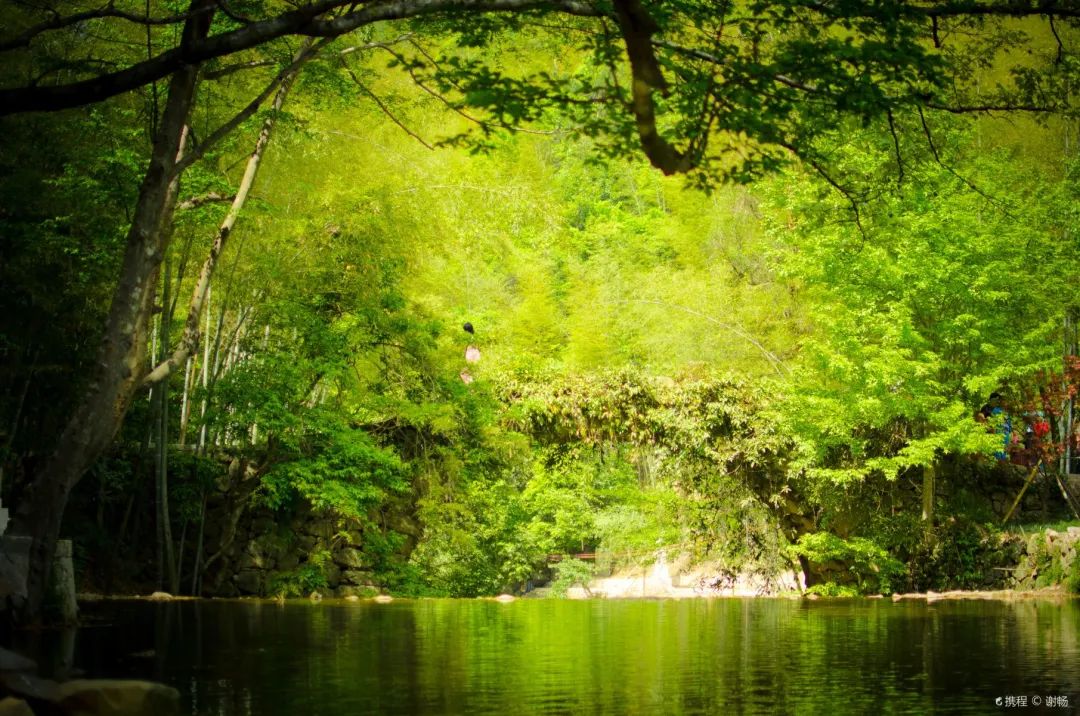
column 608, row 657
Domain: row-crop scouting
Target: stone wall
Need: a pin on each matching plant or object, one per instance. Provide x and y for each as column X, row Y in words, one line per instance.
column 266, row 553
column 270, row 555
column 1047, row 559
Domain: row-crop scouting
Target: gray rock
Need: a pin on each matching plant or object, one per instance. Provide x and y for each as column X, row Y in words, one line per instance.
column 357, row 577
column 288, row 562
column 10, row 661
column 333, row 574
column 349, row 558
column 30, row 687
column 118, row 698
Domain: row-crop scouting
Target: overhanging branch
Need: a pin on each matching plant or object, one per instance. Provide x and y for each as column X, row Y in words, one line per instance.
column 302, row 21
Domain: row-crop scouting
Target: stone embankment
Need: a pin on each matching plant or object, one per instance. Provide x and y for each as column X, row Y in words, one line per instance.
column 1047, row 559
column 23, row 693
column 262, row 556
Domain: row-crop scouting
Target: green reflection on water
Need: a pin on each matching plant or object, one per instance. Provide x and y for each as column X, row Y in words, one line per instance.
column 605, row 657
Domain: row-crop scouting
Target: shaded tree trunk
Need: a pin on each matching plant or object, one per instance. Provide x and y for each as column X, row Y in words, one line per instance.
column 119, row 368
column 928, row 487
column 167, row 573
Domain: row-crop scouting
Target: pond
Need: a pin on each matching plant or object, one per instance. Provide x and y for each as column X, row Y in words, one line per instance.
column 728, row 656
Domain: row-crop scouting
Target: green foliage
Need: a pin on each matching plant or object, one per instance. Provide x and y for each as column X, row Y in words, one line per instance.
column 1072, row 578
column 305, row 579
column 717, row 372
column 942, row 299
column 570, row 572
column 832, row 589
column 871, row 567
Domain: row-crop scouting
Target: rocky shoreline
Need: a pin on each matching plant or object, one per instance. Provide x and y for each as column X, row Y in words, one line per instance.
column 23, row 693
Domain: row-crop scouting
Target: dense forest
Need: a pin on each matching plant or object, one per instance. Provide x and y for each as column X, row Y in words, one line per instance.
column 786, row 285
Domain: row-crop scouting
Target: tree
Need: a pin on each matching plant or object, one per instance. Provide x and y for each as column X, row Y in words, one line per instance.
column 948, row 291
column 717, row 93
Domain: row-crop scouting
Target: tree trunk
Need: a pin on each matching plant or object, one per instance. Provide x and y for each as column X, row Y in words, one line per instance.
column 166, row 555
column 929, row 478
column 119, row 367
column 190, row 340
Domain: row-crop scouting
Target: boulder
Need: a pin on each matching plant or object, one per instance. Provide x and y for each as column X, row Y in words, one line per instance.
column 10, row 661
column 32, row 688
column 93, row 697
column 160, row 597
column 357, row 576
column 349, row 558
column 258, row 554
column 15, row 707
column 288, row 562
column 383, row 599
column 249, row 581
column 333, row 574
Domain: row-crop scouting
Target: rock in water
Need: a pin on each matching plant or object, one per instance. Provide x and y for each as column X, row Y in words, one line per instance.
column 98, row 697
column 10, row 661
column 384, row 599
column 30, row 687
column 161, row 597
column 505, row 598
column 15, row 707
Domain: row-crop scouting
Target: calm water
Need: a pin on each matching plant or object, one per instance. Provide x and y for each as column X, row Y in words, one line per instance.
column 723, row 656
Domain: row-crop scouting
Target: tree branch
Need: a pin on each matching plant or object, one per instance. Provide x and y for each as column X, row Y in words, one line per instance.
column 637, row 28
column 896, row 147
column 190, row 339
column 385, row 110
column 59, row 22
column 302, row 21
column 197, row 201
column 967, row 182
column 221, row 132
column 232, row 69
column 817, row 167
column 449, row 105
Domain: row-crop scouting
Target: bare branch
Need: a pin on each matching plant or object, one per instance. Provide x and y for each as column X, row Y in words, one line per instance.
column 987, row 108
column 232, row 69
column 1057, row 38
column 967, row 182
column 437, row 95
column 896, row 148
column 821, row 171
column 58, row 22
column 385, row 110
column 197, row 201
